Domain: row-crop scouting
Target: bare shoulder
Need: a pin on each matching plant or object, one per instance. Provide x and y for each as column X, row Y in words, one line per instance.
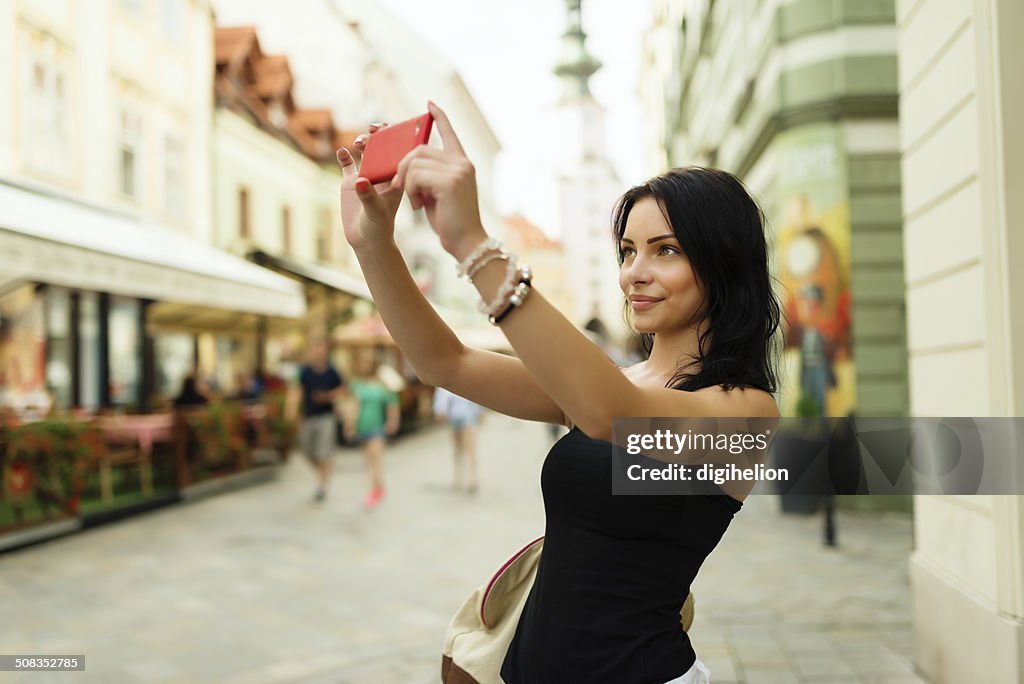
column 742, row 401
column 632, row 372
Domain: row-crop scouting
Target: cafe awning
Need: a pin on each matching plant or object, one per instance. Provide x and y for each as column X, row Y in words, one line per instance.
column 50, row 238
column 313, row 273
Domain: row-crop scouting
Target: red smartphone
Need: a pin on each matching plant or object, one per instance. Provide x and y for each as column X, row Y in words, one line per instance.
column 389, row 145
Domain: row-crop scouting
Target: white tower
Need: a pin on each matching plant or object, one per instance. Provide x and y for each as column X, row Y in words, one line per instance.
column 587, row 189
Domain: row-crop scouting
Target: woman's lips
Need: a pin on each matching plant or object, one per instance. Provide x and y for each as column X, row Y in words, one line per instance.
column 643, row 304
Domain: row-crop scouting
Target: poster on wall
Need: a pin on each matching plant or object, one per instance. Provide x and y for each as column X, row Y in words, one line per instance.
column 812, row 253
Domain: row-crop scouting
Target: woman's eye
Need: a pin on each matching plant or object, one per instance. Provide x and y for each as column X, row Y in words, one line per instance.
column 625, row 252
column 668, row 250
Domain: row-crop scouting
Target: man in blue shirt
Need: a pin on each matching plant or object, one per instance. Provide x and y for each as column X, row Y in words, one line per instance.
column 321, row 385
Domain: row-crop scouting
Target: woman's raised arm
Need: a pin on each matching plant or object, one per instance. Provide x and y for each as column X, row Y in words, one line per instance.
column 437, row 355
column 568, row 367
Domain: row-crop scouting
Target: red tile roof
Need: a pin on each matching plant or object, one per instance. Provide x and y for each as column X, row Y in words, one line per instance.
column 249, row 81
column 522, row 231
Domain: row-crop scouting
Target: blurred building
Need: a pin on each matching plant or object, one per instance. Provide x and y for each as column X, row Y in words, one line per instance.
column 276, row 199
column 961, row 104
column 545, row 257
column 799, row 99
column 949, row 172
column 587, row 190
column 105, row 204
column 365, row 65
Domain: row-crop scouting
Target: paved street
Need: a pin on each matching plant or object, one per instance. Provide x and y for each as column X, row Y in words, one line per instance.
column 262, row 585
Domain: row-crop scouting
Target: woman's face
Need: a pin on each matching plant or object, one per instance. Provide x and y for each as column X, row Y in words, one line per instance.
column 656, row 277
column 364, row 365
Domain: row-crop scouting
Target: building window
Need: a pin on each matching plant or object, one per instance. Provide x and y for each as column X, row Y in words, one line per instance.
column 172, row 20
column 286, row 230
column 323, row 236
column 175, row 357
column 244, row 229
column 46, row 118
column 90, row 394
column 58, row 346
column 23, row 353
column 125, row 351
column 174, row 176
column 129, row 145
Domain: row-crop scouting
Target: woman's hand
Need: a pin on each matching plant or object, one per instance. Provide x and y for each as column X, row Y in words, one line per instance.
column 443, row 183
column 367, row 214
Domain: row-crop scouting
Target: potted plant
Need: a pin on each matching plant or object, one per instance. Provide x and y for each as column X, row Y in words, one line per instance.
column 47, row 461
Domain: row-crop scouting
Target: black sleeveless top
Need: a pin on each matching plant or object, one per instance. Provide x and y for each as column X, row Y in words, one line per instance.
column 613, row 575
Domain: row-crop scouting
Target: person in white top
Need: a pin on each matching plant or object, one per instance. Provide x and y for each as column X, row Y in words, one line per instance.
column 462, row 416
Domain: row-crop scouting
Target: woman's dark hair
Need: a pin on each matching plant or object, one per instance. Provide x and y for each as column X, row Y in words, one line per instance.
column 722, row 231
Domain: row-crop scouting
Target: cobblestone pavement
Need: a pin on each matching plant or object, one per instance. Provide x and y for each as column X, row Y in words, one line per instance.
column 262, row 585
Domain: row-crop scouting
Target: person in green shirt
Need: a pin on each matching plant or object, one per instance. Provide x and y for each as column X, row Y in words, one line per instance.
column 377, row 415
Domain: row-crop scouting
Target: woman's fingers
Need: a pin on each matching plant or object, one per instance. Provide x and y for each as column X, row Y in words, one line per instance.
column 444, row 127
column 420, row 152
column 345, row 160
column 373, row 204
column 425, row 179
column 360, row 142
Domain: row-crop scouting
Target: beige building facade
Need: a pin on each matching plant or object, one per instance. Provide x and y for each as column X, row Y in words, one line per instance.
column 961, row 101
column 389, row 73
column 105, row 204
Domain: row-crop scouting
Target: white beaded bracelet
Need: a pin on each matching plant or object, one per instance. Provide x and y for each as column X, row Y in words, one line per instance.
column 506, row 288
column 481, row 249
column 483, row 261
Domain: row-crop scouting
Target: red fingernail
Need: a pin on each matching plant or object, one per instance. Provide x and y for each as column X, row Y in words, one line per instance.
column 362, row 185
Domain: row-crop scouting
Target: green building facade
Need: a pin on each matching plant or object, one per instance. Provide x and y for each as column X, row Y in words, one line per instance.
column 800, row 100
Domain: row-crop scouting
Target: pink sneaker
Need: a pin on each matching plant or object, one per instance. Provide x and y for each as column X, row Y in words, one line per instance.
column 373, row 498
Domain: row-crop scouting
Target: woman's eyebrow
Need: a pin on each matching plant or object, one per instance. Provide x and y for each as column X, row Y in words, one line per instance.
column 661, row 237
column 668, row 236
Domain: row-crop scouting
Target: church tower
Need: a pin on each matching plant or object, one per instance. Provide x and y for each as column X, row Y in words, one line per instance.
column 587, row 189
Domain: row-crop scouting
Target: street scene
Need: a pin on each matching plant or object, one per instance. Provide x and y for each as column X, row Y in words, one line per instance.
column 261, row 585
column 264, row 418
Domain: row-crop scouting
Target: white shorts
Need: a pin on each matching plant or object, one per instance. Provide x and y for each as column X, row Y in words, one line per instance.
column 697, row 674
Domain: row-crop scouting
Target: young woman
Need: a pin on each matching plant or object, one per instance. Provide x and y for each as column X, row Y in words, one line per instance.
column 376, row 416
column 694, row 270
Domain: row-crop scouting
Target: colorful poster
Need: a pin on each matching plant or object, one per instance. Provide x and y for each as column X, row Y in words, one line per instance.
column 812, row 252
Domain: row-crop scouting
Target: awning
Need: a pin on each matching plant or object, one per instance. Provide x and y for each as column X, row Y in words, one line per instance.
column 49, row 238
column 313, row 272
column 470, row 326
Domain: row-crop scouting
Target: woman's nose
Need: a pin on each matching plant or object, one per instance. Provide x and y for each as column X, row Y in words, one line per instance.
column 638, row 271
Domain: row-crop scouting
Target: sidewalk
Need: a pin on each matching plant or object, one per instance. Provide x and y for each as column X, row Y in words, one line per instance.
column 262, row 585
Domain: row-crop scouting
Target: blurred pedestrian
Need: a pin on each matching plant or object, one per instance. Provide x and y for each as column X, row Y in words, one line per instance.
column 321, row 385
column 376, row 417
column 462, row 416
column 693, row 267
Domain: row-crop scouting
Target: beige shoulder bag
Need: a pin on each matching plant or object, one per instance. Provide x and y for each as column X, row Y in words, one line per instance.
column 480, row 633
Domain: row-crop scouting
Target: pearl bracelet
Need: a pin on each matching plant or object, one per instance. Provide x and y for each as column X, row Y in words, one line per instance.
column 516, row 300
column 483, row 261
column 504, row 291
column 490, row 244
column 509, row 291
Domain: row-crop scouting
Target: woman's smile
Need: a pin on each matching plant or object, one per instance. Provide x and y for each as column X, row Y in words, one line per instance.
column 642, row 303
